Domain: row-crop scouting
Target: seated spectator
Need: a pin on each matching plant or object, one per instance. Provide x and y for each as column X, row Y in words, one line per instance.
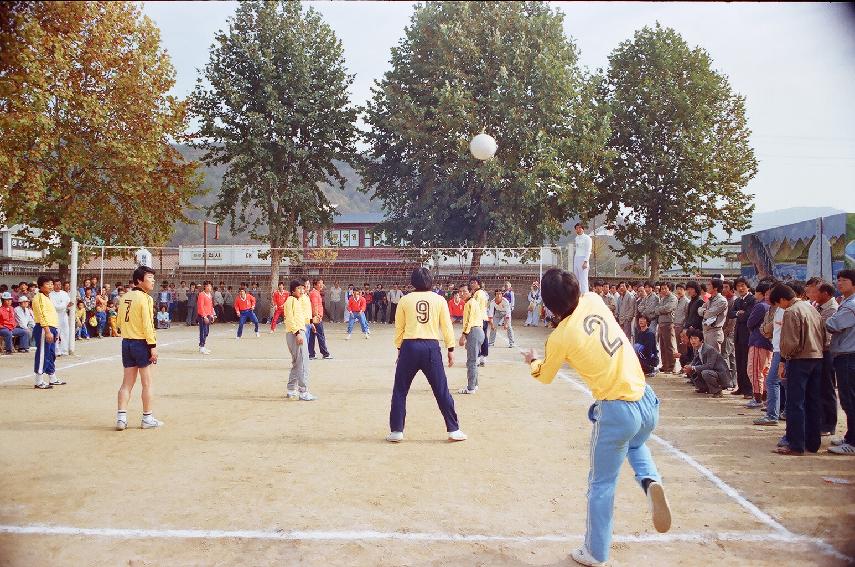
column 163, row 321
column 25, row 319
column 687, row 353
column 8, row 326
column 708, row 370
column 455, row 307
column 645, row 347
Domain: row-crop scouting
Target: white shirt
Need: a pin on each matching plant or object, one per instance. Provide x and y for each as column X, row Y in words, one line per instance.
column 777, row 323
column 24, row 318
column 60, row 300
column 395, row 295
column 504, row 307
column 583, row 247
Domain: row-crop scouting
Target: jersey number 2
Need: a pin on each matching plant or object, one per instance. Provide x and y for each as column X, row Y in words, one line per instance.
column 610, row 345
column 422, row 312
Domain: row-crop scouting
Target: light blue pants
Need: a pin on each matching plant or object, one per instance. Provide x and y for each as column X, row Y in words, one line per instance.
column 362, row 322
column 620, row 431
column 773, row 388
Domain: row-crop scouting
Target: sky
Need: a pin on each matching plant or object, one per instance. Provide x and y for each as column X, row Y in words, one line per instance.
column 794, row 63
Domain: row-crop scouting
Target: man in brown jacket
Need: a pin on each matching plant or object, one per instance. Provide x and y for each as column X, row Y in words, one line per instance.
column 802, row 341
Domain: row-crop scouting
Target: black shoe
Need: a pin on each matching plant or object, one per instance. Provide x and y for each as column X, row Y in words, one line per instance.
column 737, row 393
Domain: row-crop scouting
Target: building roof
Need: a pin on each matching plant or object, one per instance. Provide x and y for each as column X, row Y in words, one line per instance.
column 359, row 218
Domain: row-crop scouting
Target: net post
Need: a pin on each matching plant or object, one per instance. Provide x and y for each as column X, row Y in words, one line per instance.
column 75, row 253
column 101, row 279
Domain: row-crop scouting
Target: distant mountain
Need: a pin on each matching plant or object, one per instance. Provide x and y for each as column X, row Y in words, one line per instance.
column 349, row 200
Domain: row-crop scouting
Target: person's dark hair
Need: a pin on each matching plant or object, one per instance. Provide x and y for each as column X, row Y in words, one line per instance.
column 703, row 287
column 693, row 285
column 680, row 285
column 815, row 281
column 640, row 317
column 668, row 284
column 717, row 285
column 600, row 283
column 847, row 275
column 624, row 283
column 781, row 291
column 826, row 288
column 579, row 224
column 696, row 333
column 560, row 292
column 763, row 287
column 728, row 283
column 244, row 289
column 292, row 287
column 797, row 287
column 43, row 280
column 740, row 280
column 140, row 272
column 421, row 279
column 315, row 282
column 648, row 284
column 476, row 280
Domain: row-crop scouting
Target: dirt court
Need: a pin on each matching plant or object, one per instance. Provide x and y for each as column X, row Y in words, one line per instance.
column 239, row 476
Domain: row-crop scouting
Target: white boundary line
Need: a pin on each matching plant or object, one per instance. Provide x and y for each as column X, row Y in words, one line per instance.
column 314, row 535
column 780, row 531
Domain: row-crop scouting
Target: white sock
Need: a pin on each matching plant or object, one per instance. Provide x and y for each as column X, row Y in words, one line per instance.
column 122, row 415
column 39, row 379
column 52, row 377
column 147, row 416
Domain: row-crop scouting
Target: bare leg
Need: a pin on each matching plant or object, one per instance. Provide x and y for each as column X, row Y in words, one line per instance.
column 147, row 394
column 128, row 382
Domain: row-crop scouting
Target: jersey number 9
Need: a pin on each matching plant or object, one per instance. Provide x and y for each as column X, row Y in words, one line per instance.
column 422, row 312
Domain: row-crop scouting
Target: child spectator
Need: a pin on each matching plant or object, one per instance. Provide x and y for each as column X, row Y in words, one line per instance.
column 163, row 320
column 80, row 321
column 111, row 319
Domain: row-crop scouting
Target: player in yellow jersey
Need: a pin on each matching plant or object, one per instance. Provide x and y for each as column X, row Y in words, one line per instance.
column 472, row 338
column 45, row 334
column 297, row 339
column 484, row 299
column 422, row 321
column 135, row 321
column 625, row 410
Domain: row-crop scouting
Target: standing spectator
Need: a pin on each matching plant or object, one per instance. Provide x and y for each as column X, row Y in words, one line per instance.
column 381, row 303
column 395, row 296
column 112, row 315
column 645, row 347
column 601, row 289
column 534, row 302
column 484, row 299
column 263, row 303
column 89, row 305
column 708, row 369
column 336, row 303
column 280, row 296
column 649, row 305
column 581, row 257
column 728, row 348
column 181, row 297
column 759, row 347
column 192, row 303
column 101, row 313
column 626, row 309
column 742, row 306
column 228, row 304
column 713, row 312
column 508, row 294
column 827, row 306
column 693, row 318
column 368, row 296
column 471, row 338
column 163, row 297
column 62, row 303
column 680, row 313
column 841, row 325
column 87, row 283
column 667, row 339
column 9, row 329
column 801, row 348
column 24, row 320
column 775, row 389
column 219, row 301
column 45, row 334
column 317, row 322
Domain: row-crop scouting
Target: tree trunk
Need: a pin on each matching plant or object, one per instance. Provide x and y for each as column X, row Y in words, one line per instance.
column 654, row 265
column 275, row 263
column 64, row 272
column 477, row 252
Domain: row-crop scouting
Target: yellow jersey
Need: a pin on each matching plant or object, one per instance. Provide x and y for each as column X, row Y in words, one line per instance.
column 472, row 316
column 484, row 299
column 306, row 306
column 294, row 315
column 135, row 318
column 44, row 313
column 423, row 315
column 593, row 344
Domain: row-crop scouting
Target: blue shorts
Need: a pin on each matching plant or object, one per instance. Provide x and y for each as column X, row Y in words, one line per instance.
column 135, row 353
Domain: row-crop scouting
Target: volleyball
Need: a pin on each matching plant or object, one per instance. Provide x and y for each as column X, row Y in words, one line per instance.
column 483, row 147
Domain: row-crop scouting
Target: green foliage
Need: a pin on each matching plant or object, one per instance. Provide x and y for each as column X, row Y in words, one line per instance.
column 505, row 68
column 274, row 110
column 679, row 156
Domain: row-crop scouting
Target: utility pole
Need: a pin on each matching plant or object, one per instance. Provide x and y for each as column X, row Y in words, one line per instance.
column 205, row 240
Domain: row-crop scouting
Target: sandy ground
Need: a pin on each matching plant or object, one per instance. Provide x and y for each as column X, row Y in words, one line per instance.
column 234, row 456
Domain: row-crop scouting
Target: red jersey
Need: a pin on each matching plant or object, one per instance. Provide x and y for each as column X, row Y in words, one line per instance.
column 7, row 317
column 356, row 305
column 204, row 305
column 280, row 297
column 317, row 303
column 456, row 309
column 242, row 304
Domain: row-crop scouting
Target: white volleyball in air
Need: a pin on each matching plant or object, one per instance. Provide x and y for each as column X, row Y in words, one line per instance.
column 483, row 147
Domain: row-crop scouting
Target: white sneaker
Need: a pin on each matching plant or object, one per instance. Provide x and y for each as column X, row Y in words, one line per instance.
column 659, row 507
column 257, row 334
column 837, row 441
column 583, row 557
column 347, row 338
column 842, row 449
column 121, row 424
column 467, row 390
column 366, row 336
column 237, row 338
column 272, row 331
column 151, row 423
column 395, row 437
column 291, row 395
column 204, row 350
column 307, row 397
column 457, row 436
